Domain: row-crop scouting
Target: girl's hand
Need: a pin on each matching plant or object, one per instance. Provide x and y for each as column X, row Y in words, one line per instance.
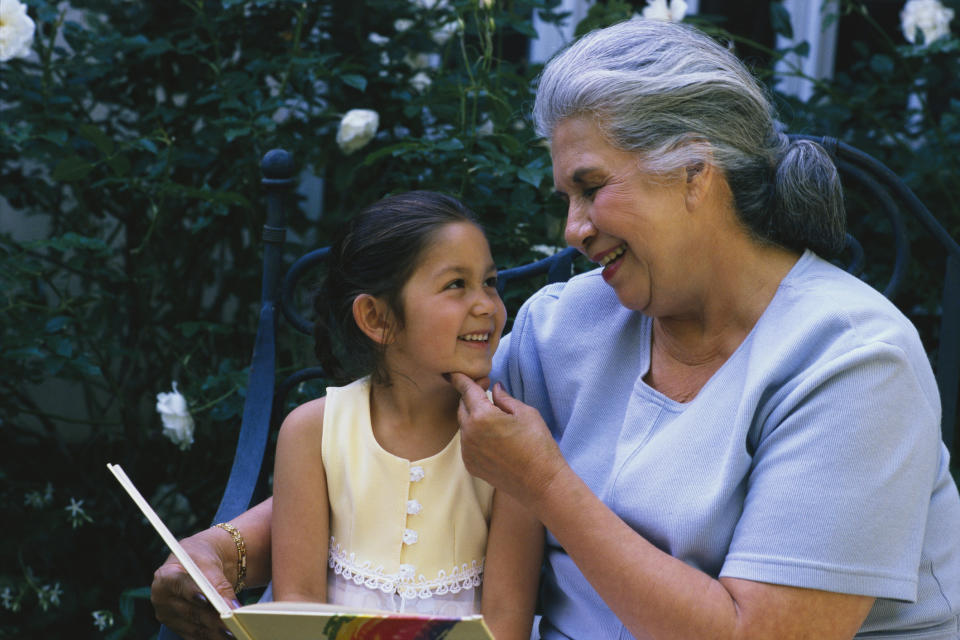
column 177, row 600
column 506, row 443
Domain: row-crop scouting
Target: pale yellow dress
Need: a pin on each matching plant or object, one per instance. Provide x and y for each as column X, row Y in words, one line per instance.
column 404, row 535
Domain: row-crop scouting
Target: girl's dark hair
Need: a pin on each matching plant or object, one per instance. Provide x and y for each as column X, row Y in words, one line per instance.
column 375, row 253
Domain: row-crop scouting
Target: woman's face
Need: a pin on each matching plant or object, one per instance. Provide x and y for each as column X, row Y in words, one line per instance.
column 635, row 225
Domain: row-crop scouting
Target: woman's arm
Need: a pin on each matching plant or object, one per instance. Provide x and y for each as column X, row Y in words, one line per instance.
column 653, row 594
column 176, row 599
column 511, row 569
column 301, row 518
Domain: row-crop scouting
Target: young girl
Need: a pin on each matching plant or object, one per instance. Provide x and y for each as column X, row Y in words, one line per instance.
column 373, row 506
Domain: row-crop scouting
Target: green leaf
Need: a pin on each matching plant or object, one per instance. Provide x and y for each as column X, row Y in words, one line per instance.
column 453, row 144
column 882, row 64
column 356, row 81
column 99, row 139
column 71, row 169
column 780, row 20
column 119, row 164
column 56, row 323
column 532, row 178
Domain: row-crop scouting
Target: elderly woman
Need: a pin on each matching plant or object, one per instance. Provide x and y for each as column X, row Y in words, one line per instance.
column 725, row 435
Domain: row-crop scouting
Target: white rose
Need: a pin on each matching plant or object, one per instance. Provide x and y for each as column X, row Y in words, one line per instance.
column 357, row 128
column 421, row 82
column 418, row 60
column 929, row 16
column 658, row 10
column 177, row 421
column 16, row 30
column 430, row 5
column 485, row 129
column 378, row 39
column 442, row 34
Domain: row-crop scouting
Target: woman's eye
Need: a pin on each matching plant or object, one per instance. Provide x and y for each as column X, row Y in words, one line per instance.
column 589, row 193
column 456, row 284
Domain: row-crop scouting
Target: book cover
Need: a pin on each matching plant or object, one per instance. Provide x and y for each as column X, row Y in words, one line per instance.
column 305, row 620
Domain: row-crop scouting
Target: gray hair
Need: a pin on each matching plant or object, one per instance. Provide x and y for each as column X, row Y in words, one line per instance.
column 677, row 98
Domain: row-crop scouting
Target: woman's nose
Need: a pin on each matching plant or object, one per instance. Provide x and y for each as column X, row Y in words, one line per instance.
column 579, row 230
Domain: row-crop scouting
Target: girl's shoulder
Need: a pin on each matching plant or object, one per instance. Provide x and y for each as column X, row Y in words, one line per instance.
column 306, row 419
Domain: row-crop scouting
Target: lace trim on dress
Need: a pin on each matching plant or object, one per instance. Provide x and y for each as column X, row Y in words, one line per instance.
column 404, row 583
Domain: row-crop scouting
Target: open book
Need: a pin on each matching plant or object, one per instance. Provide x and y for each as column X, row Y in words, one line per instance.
column 309, row 621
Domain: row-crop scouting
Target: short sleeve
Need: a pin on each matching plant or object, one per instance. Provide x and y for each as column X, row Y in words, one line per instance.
column 842, row 474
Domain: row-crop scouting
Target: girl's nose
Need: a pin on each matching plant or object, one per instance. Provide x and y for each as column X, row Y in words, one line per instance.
column 485, row 303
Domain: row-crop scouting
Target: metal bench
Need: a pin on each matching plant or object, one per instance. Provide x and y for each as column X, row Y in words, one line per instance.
column 265, row 394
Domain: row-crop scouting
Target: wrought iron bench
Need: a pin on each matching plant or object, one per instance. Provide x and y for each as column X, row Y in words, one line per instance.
column 858, row 170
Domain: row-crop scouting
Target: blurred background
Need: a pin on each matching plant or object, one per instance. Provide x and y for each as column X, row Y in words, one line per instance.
column 131, row 133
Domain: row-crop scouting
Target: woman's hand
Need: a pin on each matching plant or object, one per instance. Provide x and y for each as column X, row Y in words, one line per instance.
column 506, row 442
column 177, row 600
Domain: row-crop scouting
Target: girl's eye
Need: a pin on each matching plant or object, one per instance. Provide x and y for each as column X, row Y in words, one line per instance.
column 490, row 282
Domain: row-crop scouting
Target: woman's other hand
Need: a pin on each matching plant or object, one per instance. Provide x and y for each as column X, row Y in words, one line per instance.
column 177, row 600
column 506, row 442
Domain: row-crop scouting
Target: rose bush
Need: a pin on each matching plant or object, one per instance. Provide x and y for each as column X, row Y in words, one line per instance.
column 130, row 144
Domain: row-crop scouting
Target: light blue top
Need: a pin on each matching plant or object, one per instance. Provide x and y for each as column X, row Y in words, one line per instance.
column 811, row 458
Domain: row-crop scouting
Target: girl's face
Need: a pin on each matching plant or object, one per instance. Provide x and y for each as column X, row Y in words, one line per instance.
column 618, row 216
column 453, row 316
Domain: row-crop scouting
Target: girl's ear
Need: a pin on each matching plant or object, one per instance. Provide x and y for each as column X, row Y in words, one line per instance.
column 374, row 318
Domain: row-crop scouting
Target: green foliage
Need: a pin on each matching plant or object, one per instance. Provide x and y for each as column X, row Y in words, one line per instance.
column 134, row 133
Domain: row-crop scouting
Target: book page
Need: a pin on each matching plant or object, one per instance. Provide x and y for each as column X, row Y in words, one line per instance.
column 212, row 595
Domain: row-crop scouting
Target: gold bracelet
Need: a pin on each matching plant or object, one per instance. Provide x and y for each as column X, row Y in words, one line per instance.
column 241, row 553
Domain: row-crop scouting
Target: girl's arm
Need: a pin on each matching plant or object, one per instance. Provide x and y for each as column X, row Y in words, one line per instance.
column 300, row 508
column 511, row 569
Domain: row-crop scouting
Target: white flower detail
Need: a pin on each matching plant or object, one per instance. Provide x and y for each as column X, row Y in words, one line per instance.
column 38, row 500
column 430, row 5
column 545, row 249
column 357, row 128
column 177, row 421
column 16, row 30
column 406, row 571
column 414, row 507
column 485, row 129
column 420, row 82
column 658, row 10
column 929, row 16
column 378, row 39
column 486, row 4
column 443, row 33
column 410, row 536
column 102, row 619
column 416, row 473
column 77, row 515
column 418, row 61
column 9, row 601
column 402, row 24
column 49, row 596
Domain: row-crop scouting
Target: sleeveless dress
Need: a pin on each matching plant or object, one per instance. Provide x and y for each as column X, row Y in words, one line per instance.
column 404, row 535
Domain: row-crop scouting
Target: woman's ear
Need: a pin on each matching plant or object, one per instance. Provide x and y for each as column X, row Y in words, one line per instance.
column 374, row 318
column 699, row 180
